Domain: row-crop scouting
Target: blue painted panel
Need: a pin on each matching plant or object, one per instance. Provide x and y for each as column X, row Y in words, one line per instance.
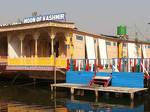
column 128, row 79
column 119, row 79
column 81, row 77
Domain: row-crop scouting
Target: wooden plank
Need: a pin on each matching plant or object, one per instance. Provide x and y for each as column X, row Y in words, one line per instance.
column 104, row 89
column 102, row 77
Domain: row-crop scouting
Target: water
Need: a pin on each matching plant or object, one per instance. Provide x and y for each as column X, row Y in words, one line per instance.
column 29, row 98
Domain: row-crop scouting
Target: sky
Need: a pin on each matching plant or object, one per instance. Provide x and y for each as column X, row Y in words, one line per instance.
column 95, row 16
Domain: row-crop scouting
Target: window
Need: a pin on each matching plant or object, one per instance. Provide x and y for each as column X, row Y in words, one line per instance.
column 108, row 43
column 114, row 43
column 124, row 45
column 78, row 37
column 139, row 46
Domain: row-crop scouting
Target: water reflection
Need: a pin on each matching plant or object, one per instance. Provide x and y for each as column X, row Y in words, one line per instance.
column 39, row 99
column 101, row 107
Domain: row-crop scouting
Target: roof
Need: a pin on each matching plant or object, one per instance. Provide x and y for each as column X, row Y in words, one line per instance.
column 25, row 26
column 69, row 25
column 110, row 38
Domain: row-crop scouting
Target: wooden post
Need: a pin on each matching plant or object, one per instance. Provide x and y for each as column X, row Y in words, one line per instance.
column 132, row 104
column 119, row 64
column 21, row 50
column 72, row 97
column 52, row 45
column 21, row 37
column 55, row 74
column 141, row 65
column 36, row 37
column 132, row 96
column 134, row 65
column 96, row 93
column 72, row 91
column 52, row 88
column 82, row 92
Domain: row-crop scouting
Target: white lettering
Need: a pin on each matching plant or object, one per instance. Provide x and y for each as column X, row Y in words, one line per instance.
column 51, row 17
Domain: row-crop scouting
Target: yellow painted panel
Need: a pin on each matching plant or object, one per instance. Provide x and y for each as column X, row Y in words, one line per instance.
column 3, row 59
column 120, row 50
column 44, row 61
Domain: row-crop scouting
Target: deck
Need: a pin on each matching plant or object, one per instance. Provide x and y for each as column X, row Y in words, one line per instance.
column 72, row 87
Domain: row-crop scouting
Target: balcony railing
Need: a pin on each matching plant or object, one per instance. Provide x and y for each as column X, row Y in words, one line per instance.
column 3, row 60
column 38, row 61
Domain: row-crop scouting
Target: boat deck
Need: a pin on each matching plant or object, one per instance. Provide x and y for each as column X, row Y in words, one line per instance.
column 72, row 87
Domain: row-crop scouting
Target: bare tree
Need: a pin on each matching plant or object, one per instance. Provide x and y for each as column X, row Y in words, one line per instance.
column 34, row 13
column 137, row 46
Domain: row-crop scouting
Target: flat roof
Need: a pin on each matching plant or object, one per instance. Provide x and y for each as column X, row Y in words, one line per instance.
column 110, row 38
column 35, row 25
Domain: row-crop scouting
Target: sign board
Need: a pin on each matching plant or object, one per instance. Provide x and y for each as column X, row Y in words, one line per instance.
column 50, row 17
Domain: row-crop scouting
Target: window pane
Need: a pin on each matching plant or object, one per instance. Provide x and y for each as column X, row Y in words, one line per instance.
column 79, row 37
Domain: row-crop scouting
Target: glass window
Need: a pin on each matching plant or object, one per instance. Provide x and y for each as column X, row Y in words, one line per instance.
column 124, row 45
column 78, row 37
column 108, row 43
column 114, row 43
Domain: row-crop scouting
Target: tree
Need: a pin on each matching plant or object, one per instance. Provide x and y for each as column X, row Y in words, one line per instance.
column 137, row 46
column 34, row 13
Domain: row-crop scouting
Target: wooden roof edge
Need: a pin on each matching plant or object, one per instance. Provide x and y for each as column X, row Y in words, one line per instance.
column 34, row 23
column 108, row 38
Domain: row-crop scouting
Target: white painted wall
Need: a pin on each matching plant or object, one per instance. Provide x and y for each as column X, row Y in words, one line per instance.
column 132, row 51
column 90, row 47
column 90, row 50
column 13, row 47
column 144, row 51
column 102, row 50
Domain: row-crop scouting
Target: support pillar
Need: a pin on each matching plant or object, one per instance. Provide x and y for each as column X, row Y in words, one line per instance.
column 52, row 46
column 36, row 37
column 21, row 37
column 132, row 96
column 96, row 95
column 69, row 46
column 21, row 54
column 120, row 48
column 72, row 97
column 52, row 88
column 72, row 91
column 52, row 37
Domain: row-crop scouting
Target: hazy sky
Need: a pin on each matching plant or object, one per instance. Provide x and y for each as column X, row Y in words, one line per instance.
column 97, row 16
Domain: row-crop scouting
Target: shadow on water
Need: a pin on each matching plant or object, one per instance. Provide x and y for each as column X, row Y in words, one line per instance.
column 25, row 97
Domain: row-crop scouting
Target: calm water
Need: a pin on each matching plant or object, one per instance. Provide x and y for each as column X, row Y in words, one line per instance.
column 25, row 97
